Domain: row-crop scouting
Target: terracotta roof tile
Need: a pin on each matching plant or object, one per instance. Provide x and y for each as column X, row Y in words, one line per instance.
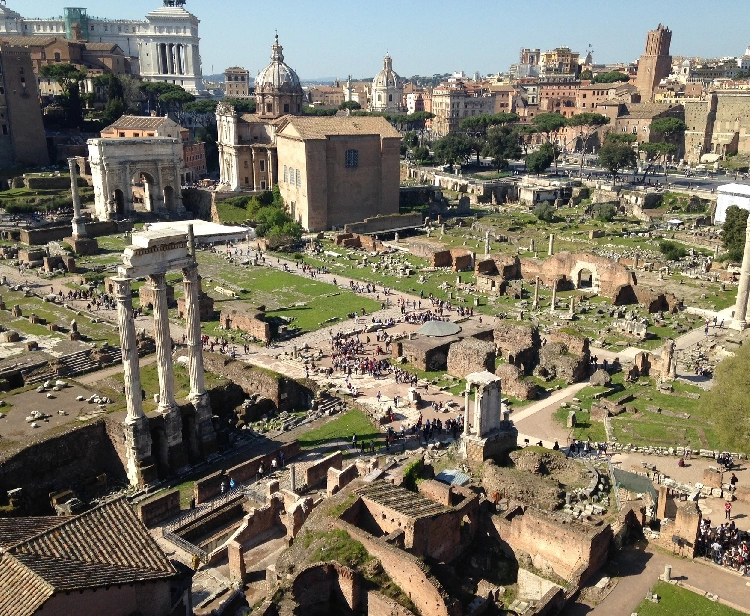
column 15, row 530
column 142, row 122
column 316, row 127
column 103, row 546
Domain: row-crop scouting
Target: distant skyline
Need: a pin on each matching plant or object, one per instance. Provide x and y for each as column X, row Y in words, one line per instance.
column 336, row 38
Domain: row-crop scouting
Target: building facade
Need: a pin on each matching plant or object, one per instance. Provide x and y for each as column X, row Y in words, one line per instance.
column 22, row 138
column 236, row 82
column 163, row 47
column 717, row 126
column 655, row 64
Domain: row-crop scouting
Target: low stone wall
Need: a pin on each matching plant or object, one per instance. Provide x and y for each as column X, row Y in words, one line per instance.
column 338, row 479
column 318, row 471
column 252, row 322
column 44, row 235
column 389, row 222
column 210, row 486
column 36, row 182
column 258, row 521
column 380, row 605
column 159, row 509
column 470, row 355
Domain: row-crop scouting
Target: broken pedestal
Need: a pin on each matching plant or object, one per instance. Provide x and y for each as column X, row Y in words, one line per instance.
column 83, row 245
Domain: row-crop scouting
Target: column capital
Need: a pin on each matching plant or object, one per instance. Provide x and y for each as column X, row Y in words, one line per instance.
column 158, row 281
column 122, row 288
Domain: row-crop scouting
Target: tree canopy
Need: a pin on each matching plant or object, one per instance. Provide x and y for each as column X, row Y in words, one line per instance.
column 727, row 401
column 538, row 161
column 68, row 77
column 616, row 155
column 350, row 105
column 548, row 123
column 669, row 127
column 587, row 124
column 480, row 123
column 453, row 149
column 501, row 145
column 611, row 77
column 733, row 232
column 241, row 105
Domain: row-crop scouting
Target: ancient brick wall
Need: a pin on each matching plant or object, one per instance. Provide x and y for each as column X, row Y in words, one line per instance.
column 327, row 588
column 148, row 296
column 554, row 546
column 253, row 323
column 162, row 508
column 151, row 598
column 378, row 224
column 470, row 355
column 318, row 471
column 258, row 521
column 380, row 605
column 515, row 384
column 408, row 572
column 338, row 479
column 287, row 394
column 441, row 258
column 40, row 237
column 71, row 460
column 436, row 491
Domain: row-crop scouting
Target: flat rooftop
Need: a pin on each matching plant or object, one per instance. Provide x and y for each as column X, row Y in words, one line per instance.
column 401, row 500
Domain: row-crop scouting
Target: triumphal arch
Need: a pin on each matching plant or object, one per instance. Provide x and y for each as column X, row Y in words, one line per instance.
column 136, row 175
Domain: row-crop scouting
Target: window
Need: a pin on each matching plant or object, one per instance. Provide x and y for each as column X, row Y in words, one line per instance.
column 245, row 164
column 121, row 134
column 635, row 130
column 262, row 165
column 268, row 108
column 299, row 177
column 351, row 158
column 380, row 98
column 390, row 98
column 247, row 180
column 286, row 107
column 262, row 184
column 286, row 175
column 136, row 134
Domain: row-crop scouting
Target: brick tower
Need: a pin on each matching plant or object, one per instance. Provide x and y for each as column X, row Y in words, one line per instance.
column 655, row 64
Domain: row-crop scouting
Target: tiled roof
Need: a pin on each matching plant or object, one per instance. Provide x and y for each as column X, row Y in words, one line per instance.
column 103, row 546
column 15, row 530
column 101, row 46
column 400, row 499
column 28, row 41
column 646, row 110
column 22, row 592
column 142, row 122
column 316, row 127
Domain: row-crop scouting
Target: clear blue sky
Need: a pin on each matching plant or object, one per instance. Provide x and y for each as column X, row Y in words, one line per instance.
column 333, row 38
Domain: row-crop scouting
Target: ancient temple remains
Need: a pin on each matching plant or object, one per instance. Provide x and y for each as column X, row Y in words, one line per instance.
column 80, row 242
column 175, row 435
column 488, row 432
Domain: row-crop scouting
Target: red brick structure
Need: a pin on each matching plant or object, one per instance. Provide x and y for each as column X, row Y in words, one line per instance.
column 252, row 322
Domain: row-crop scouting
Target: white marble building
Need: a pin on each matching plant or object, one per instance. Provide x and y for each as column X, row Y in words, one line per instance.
column 163, row 47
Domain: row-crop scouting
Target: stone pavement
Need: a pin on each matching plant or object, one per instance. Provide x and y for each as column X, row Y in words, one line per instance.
column 638, row 569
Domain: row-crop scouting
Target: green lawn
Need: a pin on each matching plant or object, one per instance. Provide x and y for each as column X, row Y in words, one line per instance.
column 585, row 430
column 343, row 427
column 677, row 601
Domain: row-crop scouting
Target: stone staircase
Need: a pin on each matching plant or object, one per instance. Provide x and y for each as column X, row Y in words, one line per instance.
column 72, row 365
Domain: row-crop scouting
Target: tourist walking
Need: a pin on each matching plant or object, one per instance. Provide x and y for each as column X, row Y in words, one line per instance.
column 728, row 510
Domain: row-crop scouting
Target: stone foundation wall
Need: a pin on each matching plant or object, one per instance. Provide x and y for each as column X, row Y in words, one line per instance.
column 517, row 344
column 253, row 323
column 318, row 471
column 44, row 235
column 514, row 383
column 287, row 394
column 259, row 521
column 380, row 605
column 554, row 546
column 381, row 224
column 470, row 355
column 337, row 479
column 327, row 588
column 159, row 509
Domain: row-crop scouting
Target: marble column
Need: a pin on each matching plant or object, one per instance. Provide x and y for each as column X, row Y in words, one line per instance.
column 572, row 306
column 536, row 294
column 204, row 428
column 467, row 394
column 554, row 296
column 79, row 227
column 137, row 432
column 158, row 284
column 531, row 245
column 743, row 291
column 487, row 243
column 551, row 249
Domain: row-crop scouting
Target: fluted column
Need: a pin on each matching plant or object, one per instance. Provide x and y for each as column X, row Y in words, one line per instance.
column 743, row 291
column 158, row 284
column 467, row 394
column 128, row 342
column 193, row 331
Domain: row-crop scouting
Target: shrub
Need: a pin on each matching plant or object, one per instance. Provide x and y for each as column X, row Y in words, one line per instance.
column 672, row 250
column 605, row 212
column 544, row 211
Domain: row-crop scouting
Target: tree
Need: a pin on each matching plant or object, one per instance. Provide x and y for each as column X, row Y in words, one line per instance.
column 544, row 211
column 615, row 155
column 727, row 402
column 479, row 124
column 421, row 153
column 68, row 77
column 611, row 77
column 548, row 124
column 410, row 139
column 671, row 129
column 733, row 232
column 241, row 105
column 501, row 145
column 587, row 124
column 174, row 100
column 605, row 212
column 654, row 151
column 672, row 250
column 523, row 134
column 587, row 75
column 538, row 161
column 453, row 149
column 350, row 105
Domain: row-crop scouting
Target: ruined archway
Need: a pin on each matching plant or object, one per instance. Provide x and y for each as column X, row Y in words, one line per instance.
column 169, row 199
column 119, row 198
column 142, row 190
column 585, row 275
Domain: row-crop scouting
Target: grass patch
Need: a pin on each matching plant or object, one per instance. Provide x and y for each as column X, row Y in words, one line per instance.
column 585, row 429
column 343, row 427
column 677, row 601
column 337, row 545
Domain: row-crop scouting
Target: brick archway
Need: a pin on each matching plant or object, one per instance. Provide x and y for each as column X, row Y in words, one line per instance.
column 579, row 275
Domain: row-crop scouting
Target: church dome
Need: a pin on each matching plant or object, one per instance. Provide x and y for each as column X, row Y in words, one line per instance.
column 277, row 75
column 386, row 78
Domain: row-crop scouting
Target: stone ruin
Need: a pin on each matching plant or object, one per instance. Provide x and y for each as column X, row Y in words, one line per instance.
column 470, row 355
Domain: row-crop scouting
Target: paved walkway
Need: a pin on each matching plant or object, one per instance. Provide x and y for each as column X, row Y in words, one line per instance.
column 639, row 569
